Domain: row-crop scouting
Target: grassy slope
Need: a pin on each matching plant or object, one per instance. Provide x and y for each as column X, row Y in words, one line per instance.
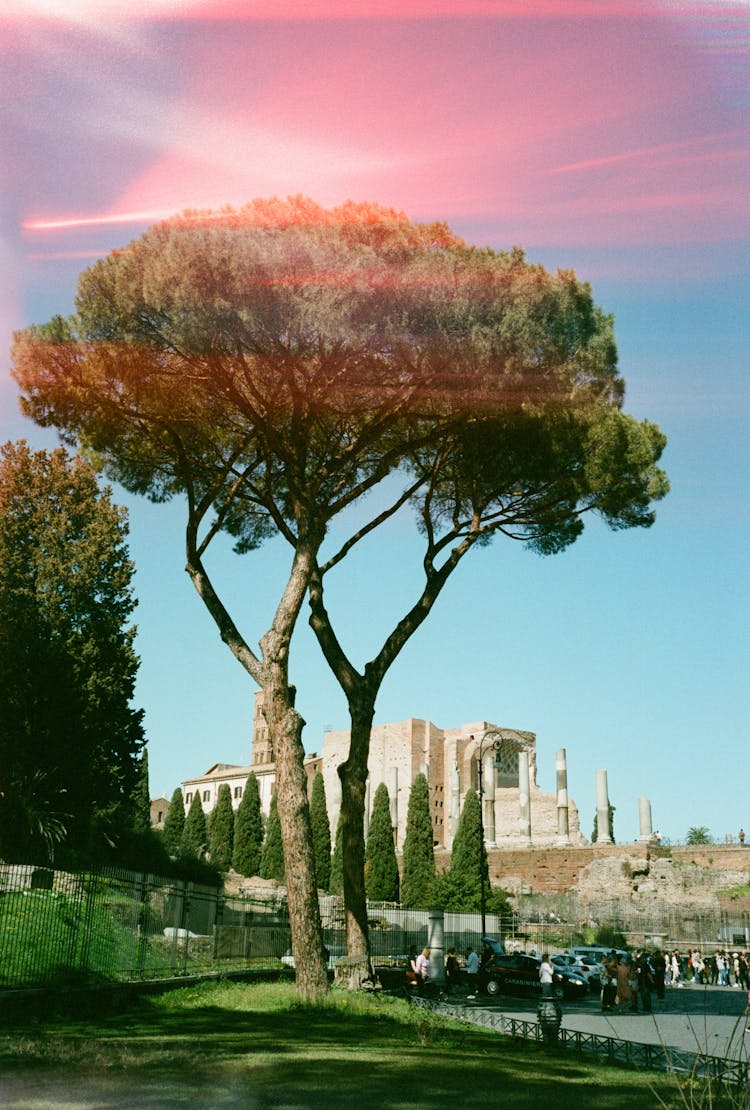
column 254, row 1046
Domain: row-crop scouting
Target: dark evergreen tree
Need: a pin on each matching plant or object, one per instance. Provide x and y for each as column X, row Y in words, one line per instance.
column 381, row 869
column 336, row 885
column 321, row 833
column 69, row 740
column 174, row 823
column 195, row 834
column 248, row 831
column 595, row 831
column 221, row 834
column 461, row 887
column 418, row 874
column 142, row 798
column 272, row 859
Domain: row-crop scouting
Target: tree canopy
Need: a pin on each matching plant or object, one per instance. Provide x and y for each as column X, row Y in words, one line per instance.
column 70, row 740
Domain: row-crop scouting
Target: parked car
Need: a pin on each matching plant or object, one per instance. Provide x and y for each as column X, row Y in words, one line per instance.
column 518, row 973
column 566, row 962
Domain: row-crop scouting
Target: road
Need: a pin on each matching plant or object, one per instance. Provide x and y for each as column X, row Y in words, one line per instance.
column 707, row 1020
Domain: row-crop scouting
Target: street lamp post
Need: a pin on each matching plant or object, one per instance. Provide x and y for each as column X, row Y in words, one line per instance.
column 491, row 741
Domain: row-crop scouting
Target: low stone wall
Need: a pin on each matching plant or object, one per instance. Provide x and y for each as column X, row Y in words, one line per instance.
column 621, row 869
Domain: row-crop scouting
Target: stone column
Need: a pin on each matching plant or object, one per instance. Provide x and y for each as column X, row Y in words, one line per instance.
column 602, row 809
column 644, row 820
column 524, row 802
column 563, row 823
column 392, row 785
column 488, row 784
column 436, row 945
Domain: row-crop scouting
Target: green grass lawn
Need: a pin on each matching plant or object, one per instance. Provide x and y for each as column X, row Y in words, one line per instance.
column 231, row 1044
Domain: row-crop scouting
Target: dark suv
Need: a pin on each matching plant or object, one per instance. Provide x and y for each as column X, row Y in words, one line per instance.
column 518, row 973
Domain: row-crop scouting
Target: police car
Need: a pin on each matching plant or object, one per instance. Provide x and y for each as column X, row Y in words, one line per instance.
column 518, row 973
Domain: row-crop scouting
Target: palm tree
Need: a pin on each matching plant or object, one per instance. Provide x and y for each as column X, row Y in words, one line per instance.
column 699, row 834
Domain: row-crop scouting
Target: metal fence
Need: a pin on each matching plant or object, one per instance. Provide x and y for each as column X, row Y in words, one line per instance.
column 613, row 1050
column 59, row 928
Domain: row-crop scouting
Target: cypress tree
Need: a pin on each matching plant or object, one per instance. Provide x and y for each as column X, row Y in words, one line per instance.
column 248, row 831
column 195, row 834
column 174, row 823
column 381, row 869
column 221, row 835
column 461, row 887
column 336, row 883
column 321, row 833
column 272, row 859
column 142, row 797
column 468, row 854
column 418, row 874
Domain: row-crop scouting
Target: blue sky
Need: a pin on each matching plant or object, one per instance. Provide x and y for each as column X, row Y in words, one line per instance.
column 612, row 139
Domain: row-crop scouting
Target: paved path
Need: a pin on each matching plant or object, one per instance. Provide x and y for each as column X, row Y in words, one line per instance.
column 693, row 1019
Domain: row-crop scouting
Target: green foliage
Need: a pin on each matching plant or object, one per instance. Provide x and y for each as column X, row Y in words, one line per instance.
column 52, row 938
column 221, row 833
column 381, row 868
column 195, row 834
column 595, row 830
column 336, row 883
column 272, row 859
column 698, row 834
column 174, row 823
column 418, row 864
column 248, row 830
column 321, row 833
column 69, row 739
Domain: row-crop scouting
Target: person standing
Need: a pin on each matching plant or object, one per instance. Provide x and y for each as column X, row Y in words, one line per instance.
column 545, row 976
column 472, row 971
column 423, row 968
column 659, row 965
column 624, row 993
column 452, row 970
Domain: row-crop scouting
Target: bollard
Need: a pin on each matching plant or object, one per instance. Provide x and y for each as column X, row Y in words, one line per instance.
column 549, row 1016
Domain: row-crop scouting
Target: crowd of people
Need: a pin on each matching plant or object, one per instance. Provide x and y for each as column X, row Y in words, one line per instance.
column 629, row 981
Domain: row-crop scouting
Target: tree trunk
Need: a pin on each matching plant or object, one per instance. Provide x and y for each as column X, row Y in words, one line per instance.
column 353, row 775
column 285, row 726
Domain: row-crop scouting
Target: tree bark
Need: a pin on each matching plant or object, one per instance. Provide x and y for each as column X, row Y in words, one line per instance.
column 353, row 775
column 285, row 726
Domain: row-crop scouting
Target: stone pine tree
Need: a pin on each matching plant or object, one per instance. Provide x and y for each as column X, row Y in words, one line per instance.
column 221, row 837
column 381, row 868
column 195, row 834
column 321, row 833
column 482, row 389
column 272, row 859
column 248, row 831
column 174, row 823
column 336, row 884
column 418, row 864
